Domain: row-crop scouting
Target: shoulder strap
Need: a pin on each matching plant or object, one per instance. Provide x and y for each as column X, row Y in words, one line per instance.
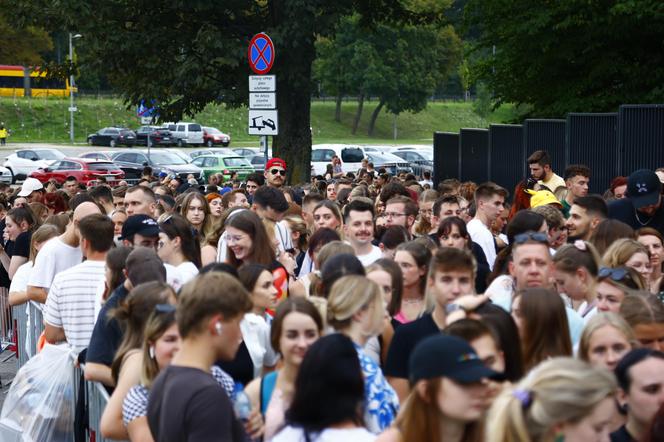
column 267, row 387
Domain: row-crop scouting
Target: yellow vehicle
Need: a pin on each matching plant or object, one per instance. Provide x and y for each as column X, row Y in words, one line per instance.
column 12, row 83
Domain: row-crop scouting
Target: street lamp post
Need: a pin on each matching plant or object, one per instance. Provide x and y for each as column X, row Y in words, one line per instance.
column 72, row 109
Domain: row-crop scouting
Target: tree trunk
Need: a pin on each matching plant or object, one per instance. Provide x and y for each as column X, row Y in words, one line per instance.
column 337, row 110
column 358, row 114
column 374, row 117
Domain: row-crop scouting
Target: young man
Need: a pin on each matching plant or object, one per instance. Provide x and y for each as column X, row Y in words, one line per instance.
column 489, row 202
column 186, row 402
column 400, row 211
column 577, row 178
column 309, row 201
column 359, row 231
column 33, row 190
column 270, row 203
column 254, row 181
column 118, row 197
column 584, row 216
column 539, row 164
column 58, row 255
column 444, row 207
column 451, row 276
column 71, row 186
column 140, row 200
column 643, row 206
column 275, row 172
column 140, row 231
column 70, row 306
column 640, row 375
column 103, row 196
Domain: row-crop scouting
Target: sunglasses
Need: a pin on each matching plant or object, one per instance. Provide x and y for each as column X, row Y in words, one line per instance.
column 617, row 274
column 531, row 236
column 278, row 171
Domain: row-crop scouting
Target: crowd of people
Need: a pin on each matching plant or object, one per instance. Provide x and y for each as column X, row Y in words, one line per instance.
column 358, row 307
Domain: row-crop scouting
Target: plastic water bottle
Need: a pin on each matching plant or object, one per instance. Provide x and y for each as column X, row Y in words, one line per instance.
column 241, row 404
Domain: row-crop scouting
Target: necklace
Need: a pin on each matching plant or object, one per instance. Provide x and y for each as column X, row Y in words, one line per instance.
column 412, row 301
column 636, row 214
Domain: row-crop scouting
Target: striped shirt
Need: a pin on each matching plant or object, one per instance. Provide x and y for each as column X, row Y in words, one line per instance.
column 70, row 304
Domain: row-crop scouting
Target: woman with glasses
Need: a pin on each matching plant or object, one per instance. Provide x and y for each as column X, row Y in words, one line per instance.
column 126, row 368
column 178, row 246
column 613, row 285
column 654, row 242
column 327, row 215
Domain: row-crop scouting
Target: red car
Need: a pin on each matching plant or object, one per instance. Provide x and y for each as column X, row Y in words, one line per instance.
column 85, row 170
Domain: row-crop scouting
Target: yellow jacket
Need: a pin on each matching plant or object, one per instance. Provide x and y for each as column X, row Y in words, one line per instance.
column 3, row 133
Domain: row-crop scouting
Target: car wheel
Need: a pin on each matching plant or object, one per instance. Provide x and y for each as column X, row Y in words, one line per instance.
column 209, row 143
column 13, row 176
column 111, row 143
column 225, row 144
column 90, row 142
column 180, row 143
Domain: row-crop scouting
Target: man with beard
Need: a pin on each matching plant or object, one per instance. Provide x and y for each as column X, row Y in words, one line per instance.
column 359, row 231
column 584, row 216
column 275, row 172
column 539, row 164
column 643, row 205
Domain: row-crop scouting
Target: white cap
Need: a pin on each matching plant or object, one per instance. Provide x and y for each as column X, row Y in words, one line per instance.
column 29, row 186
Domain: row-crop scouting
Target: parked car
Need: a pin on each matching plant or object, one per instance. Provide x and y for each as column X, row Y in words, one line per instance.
column 213, row 136
column 112, row 136
column 258, row 162
column 85, row 170
column 391, row 163
column 247, row 151
column 99, row 155
column 179, row 152
column 154, row 136
column 6, row 176
column 212, row 151
column 132, row 163
column 420, row 161
column 225, row 165
column 25, row 161
column 186, row 133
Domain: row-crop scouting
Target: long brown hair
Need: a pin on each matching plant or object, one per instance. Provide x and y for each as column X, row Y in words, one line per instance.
column 262, row 251
column 419, row 420
column 545, row 331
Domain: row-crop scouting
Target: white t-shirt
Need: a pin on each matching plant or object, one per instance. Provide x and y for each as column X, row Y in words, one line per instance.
column 256, row 335
column 292, row 434
column 370, row 257
column 187, row 271
column 20, row 279
column 70, row 304
column 481, row 234
column 53, row 258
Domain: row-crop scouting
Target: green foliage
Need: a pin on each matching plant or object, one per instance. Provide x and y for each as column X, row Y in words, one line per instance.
column 22, row 46
column 569, row 55
column 482, row 104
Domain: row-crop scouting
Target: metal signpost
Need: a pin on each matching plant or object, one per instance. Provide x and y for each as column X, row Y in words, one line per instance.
column 263, row 115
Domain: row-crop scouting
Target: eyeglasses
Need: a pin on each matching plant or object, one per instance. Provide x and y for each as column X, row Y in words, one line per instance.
column 278, row 171
column 531, row 236
column 617, row 274
column 393, row 214
column 164, row 308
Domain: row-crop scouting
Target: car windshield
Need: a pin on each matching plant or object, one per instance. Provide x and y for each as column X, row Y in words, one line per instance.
column 49, row 154
column 236, row 162
column 101, row 166
column 212, row 130
column 166, row 158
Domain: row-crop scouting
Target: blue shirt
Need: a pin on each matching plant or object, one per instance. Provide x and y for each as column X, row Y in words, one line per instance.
column 380, row 400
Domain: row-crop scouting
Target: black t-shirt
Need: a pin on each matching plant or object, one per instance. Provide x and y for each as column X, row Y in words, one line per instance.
column 241, row 369
column 621, row 435
column 4, row 276
column 22, row 245
column 623, row 210
column 483, row 269
column 107, row 334
column 406, row 337
column 187, row 404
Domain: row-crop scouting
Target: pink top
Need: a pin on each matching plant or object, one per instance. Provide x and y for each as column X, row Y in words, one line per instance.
column 400, row 317
column 275, row 414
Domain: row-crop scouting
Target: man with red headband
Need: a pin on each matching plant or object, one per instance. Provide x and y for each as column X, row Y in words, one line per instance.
column 275, row 172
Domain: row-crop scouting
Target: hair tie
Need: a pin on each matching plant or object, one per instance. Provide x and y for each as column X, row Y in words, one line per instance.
column 524, row 396
column 580, row 245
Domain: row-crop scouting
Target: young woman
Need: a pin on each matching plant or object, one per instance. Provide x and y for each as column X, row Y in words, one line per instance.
column 576, row 267
column 39, row 211
column 653, row 240
column 614, row 284
column 300, row 238
column 247, row 240
column 540, row 316
column 19, row 225
column 214, row 203
column 195, row 209
column 423, row 225
column 356, row 308
column 563, row 399
column 258, row 281
column 115, row 265
column 629, row 253
column 118, row 216
column 310, row 284
column 331, row 190
column 605, row 340
column 387, row 274
column 179, row 247
column 296, row 325
column 126, row 367
column 327, row 215
column 609, row 231
column 448, row 400
column 645, row 314
column 328, row 395
column 452, row 233
column 413, row 259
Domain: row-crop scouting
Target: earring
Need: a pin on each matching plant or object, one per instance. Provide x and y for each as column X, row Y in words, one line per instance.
column 217, row 327
column 151, row 351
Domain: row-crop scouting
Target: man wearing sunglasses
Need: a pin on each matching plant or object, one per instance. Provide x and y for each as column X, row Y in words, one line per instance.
column 275, row 172
column 643, row 205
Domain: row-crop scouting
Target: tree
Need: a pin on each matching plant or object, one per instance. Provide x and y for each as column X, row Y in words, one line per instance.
column 187, row 54
column 22, row 45
column 568, row 55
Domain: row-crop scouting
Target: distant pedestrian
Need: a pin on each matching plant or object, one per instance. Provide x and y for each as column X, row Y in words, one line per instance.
column 4, row 133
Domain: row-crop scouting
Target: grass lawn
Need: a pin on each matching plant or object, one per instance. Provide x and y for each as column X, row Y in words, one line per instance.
column 47, row 120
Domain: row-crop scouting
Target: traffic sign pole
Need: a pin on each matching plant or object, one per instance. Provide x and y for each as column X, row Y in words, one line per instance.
column 263, row 116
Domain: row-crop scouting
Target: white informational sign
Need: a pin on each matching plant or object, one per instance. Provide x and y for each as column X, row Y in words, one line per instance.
column 73, row 109
column 262, row 83
column 146, row 120
column 262, row 100
column 263, row 122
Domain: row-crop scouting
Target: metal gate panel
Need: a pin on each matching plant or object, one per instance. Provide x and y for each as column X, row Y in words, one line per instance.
column 507, row 156
column 641, row 137
column 546, row 135
column 445, row 156
column 474, row 147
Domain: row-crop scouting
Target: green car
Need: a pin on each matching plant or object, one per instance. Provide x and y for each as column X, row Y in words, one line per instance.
column 224, row 164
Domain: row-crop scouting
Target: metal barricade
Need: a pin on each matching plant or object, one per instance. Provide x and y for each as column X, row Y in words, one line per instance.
column 21, row 322
column 97, row 398
column 6, row 322
column 36, row 325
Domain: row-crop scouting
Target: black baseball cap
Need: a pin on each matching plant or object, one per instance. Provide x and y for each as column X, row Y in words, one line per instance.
column 447, row 356
column 139, row 224
column 643, row 188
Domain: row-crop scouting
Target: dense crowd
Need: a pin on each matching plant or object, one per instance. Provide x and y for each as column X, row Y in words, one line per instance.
column 358, row 307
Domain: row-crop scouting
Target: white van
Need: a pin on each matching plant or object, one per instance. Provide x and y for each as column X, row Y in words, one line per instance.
column 321, row 155
column 186, row 133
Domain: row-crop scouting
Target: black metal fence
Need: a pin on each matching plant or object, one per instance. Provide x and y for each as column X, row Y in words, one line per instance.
column 611, row 144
